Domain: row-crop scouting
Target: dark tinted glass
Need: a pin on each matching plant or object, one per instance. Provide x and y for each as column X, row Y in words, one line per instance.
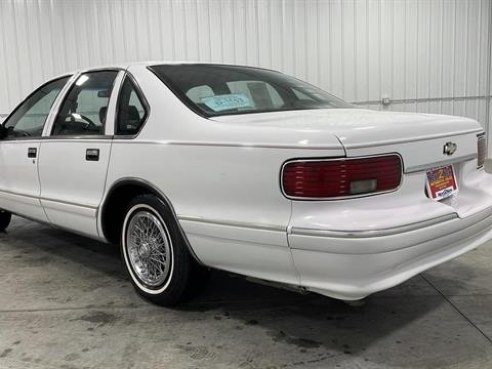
column 83, row 112
column 29, row 118
column 131, row 109
column 214, row 90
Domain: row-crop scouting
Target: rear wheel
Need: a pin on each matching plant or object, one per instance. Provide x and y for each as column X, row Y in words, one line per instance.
column 5, row 218
column 155, row 254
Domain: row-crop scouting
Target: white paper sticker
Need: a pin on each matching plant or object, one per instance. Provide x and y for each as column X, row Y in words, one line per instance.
column 227, row 102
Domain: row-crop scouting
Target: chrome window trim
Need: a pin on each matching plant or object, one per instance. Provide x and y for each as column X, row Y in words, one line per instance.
column 57, row 103
column 111, row 113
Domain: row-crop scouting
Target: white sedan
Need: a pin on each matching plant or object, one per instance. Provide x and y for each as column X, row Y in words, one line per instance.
column 196, row 166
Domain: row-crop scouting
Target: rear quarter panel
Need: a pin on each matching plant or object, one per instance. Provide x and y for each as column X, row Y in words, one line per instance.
column 223, row 181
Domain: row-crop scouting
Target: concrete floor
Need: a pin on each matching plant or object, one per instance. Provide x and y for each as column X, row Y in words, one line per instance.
column 65, row 302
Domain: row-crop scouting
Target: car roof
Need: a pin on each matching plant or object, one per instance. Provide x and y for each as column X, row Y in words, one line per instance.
column 125, row 66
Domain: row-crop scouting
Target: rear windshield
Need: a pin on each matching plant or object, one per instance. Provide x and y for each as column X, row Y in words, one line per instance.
column 215, row 90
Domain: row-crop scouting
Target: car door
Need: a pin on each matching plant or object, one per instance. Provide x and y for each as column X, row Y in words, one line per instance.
column 19, row 151
column 75, row 156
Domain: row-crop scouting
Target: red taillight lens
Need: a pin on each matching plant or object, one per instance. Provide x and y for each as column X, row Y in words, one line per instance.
column 482, row 150
column 321, row 179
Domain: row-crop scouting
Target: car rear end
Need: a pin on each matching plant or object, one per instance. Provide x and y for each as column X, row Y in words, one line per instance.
column 392, row 208
column 367, row 199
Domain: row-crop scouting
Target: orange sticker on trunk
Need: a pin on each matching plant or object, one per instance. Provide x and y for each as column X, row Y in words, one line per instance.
column 441, row 182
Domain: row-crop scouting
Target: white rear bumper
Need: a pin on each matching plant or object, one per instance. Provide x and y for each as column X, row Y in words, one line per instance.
column 352, row 276
column 380, row 242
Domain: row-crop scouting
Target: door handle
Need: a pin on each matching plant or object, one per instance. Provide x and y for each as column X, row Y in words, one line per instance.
column 32, row 152
column 92, row 155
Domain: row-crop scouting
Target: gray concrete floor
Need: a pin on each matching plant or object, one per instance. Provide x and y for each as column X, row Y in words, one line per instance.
column 65, row 302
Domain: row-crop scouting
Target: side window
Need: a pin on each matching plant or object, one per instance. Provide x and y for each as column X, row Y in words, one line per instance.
column 29, row 118
column 83, row 112
column 132, row 110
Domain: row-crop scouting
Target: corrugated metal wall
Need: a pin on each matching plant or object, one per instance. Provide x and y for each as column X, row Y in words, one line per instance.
column 425, row 55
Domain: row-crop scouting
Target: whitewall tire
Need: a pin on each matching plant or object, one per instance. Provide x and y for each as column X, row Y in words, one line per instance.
column 154, row 252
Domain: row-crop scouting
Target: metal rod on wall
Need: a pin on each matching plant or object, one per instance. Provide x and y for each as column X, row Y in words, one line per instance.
column 489, row 62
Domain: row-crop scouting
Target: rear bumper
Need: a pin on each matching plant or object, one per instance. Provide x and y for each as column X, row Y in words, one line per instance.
column 356, row 262
column 354, row 275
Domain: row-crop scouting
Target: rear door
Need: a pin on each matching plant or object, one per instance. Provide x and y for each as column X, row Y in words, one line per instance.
column 19, row 181
column 74, row 157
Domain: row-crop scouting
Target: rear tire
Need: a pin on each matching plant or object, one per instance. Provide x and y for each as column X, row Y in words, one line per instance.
column 5, row 218
column 155, row 254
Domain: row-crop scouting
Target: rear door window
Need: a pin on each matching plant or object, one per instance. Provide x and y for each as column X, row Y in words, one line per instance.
column 84, row 110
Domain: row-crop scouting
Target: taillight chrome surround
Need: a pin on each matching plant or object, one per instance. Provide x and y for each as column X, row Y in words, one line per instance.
column 354, row 196
column 481, row 150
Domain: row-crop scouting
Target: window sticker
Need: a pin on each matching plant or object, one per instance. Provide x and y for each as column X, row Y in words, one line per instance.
column 227, row 102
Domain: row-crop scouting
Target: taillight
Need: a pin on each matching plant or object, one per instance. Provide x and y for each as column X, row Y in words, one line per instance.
column 327, row 179
column 481, row 149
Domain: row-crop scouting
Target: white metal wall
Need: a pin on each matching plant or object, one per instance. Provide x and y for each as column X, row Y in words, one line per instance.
column 425, row 55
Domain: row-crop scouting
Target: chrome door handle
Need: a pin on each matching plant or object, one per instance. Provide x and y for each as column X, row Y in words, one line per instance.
column 92, row 155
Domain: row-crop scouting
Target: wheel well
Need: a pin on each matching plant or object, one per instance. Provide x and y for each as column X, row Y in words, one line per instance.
column 115, row 205
column 114, row 208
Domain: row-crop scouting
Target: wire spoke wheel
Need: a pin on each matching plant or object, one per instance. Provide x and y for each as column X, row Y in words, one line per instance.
column 149, row 248
column 155, row 253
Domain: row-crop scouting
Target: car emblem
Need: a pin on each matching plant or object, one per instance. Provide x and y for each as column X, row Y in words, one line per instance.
column 450, row 148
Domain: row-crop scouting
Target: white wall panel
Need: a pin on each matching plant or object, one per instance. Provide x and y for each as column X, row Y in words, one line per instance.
column 425, row 55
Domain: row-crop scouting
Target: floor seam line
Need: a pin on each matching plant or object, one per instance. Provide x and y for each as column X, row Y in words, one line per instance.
column 457, row 309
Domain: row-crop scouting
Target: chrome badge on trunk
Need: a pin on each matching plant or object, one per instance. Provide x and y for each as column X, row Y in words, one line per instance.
column 450, row 148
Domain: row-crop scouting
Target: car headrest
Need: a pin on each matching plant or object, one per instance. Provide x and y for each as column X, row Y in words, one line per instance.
column 102, row 114
column 133, row 114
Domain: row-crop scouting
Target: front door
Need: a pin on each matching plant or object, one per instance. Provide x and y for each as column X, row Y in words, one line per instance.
column 19, row 152
column 75, row 156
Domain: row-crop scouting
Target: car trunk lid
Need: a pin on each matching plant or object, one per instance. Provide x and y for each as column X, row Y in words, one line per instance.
column 418, row 138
